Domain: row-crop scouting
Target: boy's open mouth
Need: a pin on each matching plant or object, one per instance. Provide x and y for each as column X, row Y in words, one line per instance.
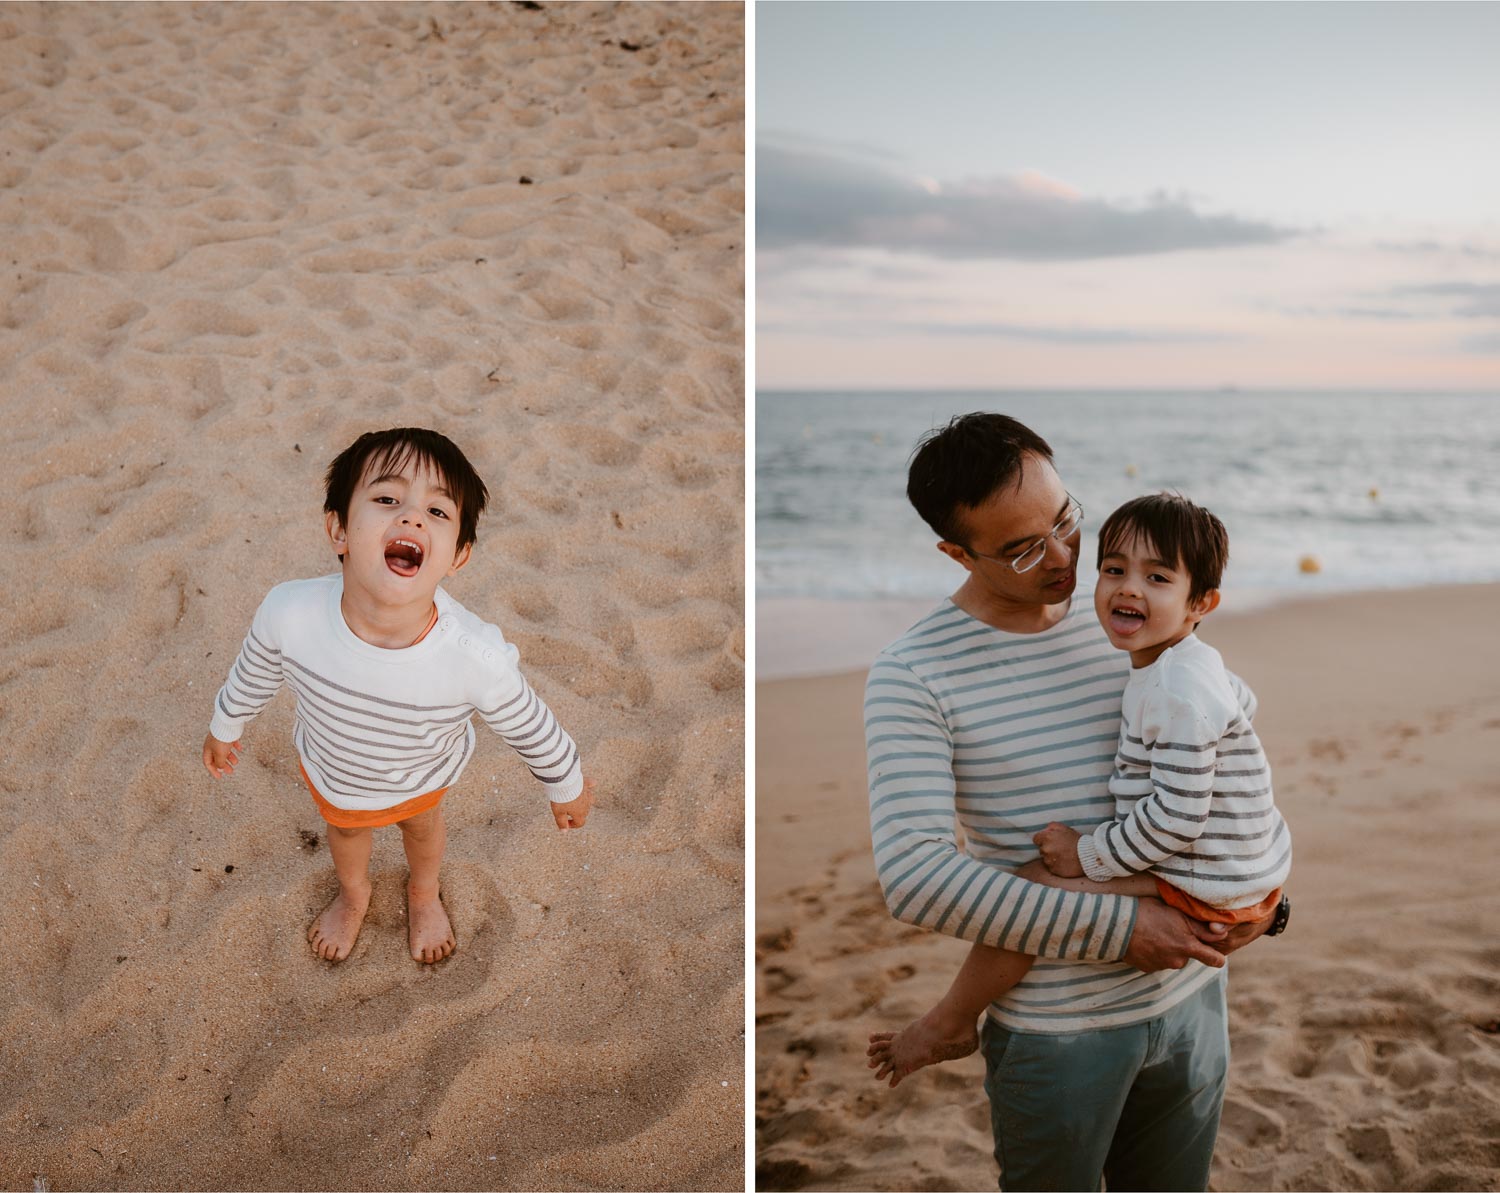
column 403, row 557
column 1126, row 619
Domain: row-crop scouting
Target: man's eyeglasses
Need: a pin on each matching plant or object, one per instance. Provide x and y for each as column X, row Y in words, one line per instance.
column 1034, row 554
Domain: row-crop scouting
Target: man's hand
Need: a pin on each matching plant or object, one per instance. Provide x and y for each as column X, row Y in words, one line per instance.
column 573, row 813
column 1059, row 846
column 1239, row 935
column 220, row 756
column 1164, row 938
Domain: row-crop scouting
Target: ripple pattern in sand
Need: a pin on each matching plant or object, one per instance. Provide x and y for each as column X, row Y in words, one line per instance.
column 235, row 238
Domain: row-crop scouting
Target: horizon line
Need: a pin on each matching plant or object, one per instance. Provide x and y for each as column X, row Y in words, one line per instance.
column 1221, row 390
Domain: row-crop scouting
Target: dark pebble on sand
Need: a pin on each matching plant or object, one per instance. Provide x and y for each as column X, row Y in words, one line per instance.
column 228, row 869
column 525, row 181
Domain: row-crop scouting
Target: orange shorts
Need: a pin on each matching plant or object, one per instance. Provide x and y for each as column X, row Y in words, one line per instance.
column 1200, row 910
column 378, row 817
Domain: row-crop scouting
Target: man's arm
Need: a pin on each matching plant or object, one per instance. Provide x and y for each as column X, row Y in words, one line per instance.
column 926, row 880
column 1164, row 938
column 929, row 883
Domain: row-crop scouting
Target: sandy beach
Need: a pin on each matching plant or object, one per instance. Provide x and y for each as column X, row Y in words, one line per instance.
column 236, row 237
column 1365, row 1045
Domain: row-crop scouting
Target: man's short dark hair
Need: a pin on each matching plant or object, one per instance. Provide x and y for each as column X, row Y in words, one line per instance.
column 964, row 464
column 1178, row 531
column 392, row 451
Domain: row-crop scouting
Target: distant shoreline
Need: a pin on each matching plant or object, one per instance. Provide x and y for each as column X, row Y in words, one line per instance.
column 1227, row 391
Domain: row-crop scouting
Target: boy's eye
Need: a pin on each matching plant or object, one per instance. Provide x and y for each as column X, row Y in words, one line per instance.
column 385, row 497
column 439, row 512
column 1111, row 570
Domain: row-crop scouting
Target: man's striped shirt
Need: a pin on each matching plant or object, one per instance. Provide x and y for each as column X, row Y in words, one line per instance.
column 1006, row 732
column 377, row 727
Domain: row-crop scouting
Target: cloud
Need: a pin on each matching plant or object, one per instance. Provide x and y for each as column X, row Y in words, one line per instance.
column 1479, row 300
column 1474, row 301
column 1466, row 248
column 1486, row 345
column 815, row 144
column 1387, row 313
column 806, row 197
column 1003, row 331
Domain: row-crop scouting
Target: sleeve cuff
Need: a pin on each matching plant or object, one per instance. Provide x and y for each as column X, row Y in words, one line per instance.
column 224, row 729
column 1093, row 865
column 569, row 788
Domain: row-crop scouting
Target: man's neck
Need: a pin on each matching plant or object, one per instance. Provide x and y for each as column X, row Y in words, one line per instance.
column 983, row 605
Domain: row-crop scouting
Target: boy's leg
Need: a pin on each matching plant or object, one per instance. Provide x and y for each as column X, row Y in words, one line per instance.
column 950, row 1029
column 428, row 928
column 336, row 929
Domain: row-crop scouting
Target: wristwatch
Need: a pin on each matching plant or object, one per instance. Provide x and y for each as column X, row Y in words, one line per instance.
column 1283, row 914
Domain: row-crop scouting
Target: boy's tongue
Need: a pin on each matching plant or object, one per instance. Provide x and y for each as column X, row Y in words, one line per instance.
column 402, row 560
column 1125, row 624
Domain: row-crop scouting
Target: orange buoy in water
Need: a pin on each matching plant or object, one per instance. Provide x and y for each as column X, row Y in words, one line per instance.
column 1309, row 565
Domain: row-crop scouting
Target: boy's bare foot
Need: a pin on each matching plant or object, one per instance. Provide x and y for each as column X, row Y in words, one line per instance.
column 334, row 932
column 930, row 1040
column 427, row 927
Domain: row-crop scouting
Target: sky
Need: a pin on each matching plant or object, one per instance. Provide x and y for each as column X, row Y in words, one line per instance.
column 1127, row 195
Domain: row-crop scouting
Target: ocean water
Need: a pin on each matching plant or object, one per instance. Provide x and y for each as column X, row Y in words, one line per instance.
column 1381, row 490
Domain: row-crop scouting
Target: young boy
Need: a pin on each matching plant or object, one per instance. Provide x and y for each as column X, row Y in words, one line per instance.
column 1195, row 824
column 388, row 670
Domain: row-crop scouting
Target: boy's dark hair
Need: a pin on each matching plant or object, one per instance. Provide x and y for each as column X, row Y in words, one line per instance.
column 965, row 463
column 1177, row 530
column 391, row 451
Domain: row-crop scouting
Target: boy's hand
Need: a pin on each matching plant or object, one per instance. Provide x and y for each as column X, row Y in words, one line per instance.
column 573, row 813
column 220, row 756
column 1059, row 846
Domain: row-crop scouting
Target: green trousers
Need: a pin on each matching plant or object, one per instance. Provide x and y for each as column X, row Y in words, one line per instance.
column 1138, row 1106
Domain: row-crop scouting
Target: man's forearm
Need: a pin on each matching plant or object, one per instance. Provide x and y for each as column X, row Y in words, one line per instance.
column 929, row 884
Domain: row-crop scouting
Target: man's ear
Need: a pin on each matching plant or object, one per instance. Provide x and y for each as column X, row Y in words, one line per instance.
column 461, row 558
column 959, row 555
column 1206, row 603
column 336, row 534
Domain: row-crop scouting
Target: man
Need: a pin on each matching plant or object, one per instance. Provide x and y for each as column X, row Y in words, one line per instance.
column 1002, row 707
